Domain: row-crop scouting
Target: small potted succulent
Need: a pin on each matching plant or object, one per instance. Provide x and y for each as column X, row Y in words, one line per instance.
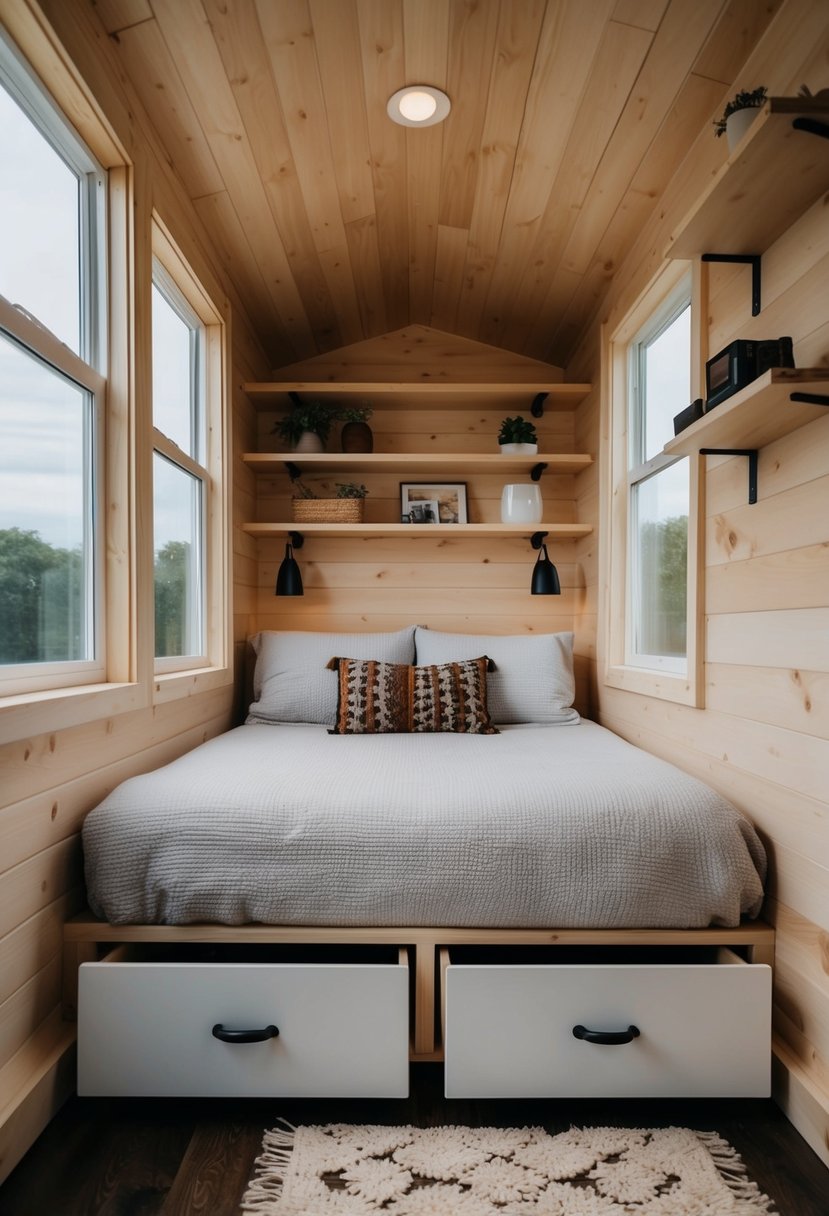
column 356, row 434
column 517, row 437
column 307, row 427
column 739, row 114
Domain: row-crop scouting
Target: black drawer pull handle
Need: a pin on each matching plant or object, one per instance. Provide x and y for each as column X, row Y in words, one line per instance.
column 244, row 1036
column 608, row 1037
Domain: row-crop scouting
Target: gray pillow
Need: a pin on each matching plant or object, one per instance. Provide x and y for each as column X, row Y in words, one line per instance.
column 291, row 682
column 533, row 678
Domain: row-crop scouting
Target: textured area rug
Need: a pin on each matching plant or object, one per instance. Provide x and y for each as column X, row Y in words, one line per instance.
column 476, row 1171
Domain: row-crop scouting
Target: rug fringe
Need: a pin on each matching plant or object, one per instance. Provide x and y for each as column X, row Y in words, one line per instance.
column 732, row 1170
column 265, row 1187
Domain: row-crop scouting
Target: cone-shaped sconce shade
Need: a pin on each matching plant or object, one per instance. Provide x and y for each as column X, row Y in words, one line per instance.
column 289, row 578
column 545, row 576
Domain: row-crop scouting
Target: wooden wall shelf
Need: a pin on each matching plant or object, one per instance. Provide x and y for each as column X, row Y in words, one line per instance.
column 422, row 394
column 774, row 174
column 760, row 413
column 433, row 465
column 459, row 531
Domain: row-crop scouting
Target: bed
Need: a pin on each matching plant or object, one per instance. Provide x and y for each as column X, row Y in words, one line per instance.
column 435, row 792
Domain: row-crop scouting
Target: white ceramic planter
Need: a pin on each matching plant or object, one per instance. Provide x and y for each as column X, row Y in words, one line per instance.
column 518, row 449
column 309, row 441
column 737, row 124
column 521, row 503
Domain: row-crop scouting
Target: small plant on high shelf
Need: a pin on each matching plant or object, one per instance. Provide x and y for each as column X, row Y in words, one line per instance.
column 307, row 427
column 518, row 437
column 345, row 507
column 349, row 489
column 745, row 101
column 356, row 434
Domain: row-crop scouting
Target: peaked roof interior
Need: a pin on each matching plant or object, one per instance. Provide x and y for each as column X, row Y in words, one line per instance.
column 503, row 224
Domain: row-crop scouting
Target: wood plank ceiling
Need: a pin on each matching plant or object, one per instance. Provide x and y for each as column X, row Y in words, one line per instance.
column 503, row 224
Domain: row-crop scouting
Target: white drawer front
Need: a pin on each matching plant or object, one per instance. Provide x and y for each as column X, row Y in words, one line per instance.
column 704, row 1031
column 147, row 1029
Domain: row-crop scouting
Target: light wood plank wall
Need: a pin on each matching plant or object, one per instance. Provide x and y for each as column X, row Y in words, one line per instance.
column 48, row 782
column 463, row 585
column 763, row 737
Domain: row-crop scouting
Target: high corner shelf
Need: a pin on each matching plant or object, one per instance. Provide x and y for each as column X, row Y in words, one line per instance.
column 423, row 463
column 780, row 401
column 778, row 169
column 366, row 530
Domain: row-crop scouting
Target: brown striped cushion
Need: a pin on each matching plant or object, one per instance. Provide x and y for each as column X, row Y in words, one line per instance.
column 394, row 698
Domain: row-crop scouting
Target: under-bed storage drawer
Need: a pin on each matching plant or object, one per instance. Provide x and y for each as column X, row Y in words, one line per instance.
column 589, row 1023
column 168, row 1023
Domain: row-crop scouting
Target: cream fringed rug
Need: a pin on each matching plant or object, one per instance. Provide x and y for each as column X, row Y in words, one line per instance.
column 475, row 1171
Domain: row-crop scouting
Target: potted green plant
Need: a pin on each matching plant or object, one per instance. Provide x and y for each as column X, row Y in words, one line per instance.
column 356, row 434
column 307, row 427
column 518, row 437
column 739, row 114
column 346, row 507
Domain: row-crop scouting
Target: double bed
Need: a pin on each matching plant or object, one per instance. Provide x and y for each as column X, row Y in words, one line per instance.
column 495, row 816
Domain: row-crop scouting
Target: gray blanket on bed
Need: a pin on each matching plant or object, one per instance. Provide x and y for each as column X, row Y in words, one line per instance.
column 564, row 826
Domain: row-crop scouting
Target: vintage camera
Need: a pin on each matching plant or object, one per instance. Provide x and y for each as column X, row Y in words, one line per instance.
column 740, row 362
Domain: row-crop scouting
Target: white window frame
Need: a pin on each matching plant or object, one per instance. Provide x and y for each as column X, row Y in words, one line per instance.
column 209, row 398
column 87, row 370
column 656, row 675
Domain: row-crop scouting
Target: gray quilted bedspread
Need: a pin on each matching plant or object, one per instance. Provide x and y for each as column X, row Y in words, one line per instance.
column 561, row 826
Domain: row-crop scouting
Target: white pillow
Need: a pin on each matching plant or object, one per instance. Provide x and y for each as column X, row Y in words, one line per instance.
column 291, row 682
column 533, row 678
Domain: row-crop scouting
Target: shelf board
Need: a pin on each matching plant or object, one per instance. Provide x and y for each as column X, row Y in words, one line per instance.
column 758, row 414
column 421, row 394
column 774, row 174
column 432, row 464
column 555, row 531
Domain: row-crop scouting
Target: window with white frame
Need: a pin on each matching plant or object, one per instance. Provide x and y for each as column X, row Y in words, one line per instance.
column 52, row 344
column 649, row 610
column 189, row 540
column 658, row 493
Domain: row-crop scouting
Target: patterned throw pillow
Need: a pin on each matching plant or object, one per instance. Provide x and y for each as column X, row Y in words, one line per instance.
column 386, row 698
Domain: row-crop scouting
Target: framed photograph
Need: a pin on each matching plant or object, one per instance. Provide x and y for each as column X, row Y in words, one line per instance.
column 430, row 502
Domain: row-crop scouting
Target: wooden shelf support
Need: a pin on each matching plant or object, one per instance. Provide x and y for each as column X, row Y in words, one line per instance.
column 751, row 453
column 753, row 260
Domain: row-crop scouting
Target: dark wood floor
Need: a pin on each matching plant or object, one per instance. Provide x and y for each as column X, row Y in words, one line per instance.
column 145, row 1157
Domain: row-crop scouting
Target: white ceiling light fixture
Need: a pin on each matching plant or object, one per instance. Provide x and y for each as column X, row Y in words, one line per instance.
column 418, row 105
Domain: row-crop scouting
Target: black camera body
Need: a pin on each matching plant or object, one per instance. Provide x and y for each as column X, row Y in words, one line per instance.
column 742, row 361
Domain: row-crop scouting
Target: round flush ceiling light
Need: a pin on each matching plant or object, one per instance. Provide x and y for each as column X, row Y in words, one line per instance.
column 418, row 105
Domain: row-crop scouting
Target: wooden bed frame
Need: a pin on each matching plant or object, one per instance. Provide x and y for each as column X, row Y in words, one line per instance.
column 87, row 939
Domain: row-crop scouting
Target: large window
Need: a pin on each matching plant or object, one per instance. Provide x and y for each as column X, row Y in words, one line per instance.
column 651, row 519
column 189, row 538
column 52, row 309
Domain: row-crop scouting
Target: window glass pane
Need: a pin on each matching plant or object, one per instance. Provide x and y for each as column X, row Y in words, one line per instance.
column 667, row 387
column 45, row 512
column 39, row 226
column 178, row 563
column 173, row 389
column 661, row 562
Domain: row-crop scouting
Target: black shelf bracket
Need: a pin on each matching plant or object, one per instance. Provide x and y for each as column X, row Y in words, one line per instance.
column 297, row 539
column 537, row 470
column 751, row 453
column 812, row 125
column 537, row 539
column 537, row 407
column 744, row 259
column 810, row 398
column 293, row 470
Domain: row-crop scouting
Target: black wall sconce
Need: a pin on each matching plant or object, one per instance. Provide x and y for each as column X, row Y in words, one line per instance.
column 545, row 580
column 289, row 577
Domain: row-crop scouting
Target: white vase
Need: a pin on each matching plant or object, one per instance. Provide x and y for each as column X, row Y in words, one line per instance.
column 737, row 124
column 521, row 503
column 518, row 449
column 309, row 441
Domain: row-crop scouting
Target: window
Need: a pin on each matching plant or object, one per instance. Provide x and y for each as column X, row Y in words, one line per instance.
column 189, row 539
column 52, row 314
column 649, row 625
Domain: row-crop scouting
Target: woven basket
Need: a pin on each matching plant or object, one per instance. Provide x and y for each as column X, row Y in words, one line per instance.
column 328, row 510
